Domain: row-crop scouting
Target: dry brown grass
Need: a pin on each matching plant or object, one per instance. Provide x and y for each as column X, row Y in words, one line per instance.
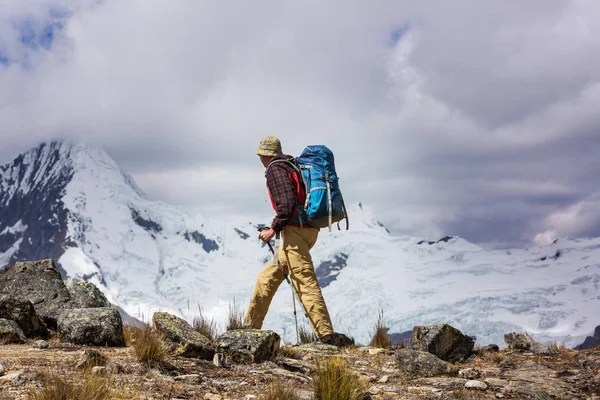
column 289, row 352
column 306, row 336
column 130, row 333
column 89, row 387
column 334, row 380
column 380, row 337
column 148, row 347
column 280, row 391
column 205, row 327
column 235, row 317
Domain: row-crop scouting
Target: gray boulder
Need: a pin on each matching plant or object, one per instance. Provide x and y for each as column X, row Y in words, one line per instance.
column 85, row 295
column 10, row 332
column 91, row 326
column 542, row 349
column 181, row 338
column 40, row 283
column 23, row 313
column 442, row 340
column 249, row 345
column 519, row 341
column 422, row 363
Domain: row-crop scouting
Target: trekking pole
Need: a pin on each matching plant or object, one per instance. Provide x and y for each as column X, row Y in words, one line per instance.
column 294, row 293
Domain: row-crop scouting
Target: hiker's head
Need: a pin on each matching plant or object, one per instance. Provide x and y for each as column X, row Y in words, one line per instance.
column 268, row 148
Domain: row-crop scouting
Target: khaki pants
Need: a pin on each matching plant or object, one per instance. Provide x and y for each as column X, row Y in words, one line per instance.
column 294, row 256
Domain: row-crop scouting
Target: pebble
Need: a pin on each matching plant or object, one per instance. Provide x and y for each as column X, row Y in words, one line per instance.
column 376, row 351
column 218, row 360
column 476, row 385
column 374, row 390
column 249, row 397
column 384, row 379
column 499, row 395
column 1, row 369
column 437, row 392
column 14, row 378
column 470, row 373
column 40, row 344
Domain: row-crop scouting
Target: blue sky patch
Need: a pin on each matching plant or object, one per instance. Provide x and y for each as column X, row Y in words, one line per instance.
column 34, row 36
column 397, row 34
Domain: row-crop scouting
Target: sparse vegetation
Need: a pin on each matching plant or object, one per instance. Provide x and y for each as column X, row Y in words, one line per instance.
column 91, row 387
column 130, row 333
column 205, row 327
column 289, row 352
column 235, row 318
column 306, row 335
column 148, row 347
column 334, row 380
column 380, row 337
column 280, row 391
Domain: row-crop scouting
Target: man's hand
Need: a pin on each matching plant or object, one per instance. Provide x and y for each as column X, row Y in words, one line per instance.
column 266, row 235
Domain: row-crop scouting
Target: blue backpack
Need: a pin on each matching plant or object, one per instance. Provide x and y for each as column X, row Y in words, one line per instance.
column 324, row 203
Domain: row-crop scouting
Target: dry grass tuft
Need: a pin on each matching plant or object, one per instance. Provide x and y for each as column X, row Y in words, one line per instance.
column 380, row 337
column 306, row 335
column 334, row 380
column 289, row 352
column 148, row 347
column 92, row 387
column 235, row 318
column 130, row 332
column 207, row 328
column 280, row 391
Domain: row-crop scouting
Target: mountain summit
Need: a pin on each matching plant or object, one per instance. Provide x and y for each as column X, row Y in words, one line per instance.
column 73, row 203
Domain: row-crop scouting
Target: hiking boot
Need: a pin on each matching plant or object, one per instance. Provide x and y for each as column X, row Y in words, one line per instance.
column 337, row 339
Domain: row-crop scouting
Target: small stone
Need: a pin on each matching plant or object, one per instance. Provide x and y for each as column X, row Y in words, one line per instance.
column 14, row 378
column 469, row 373
column 40, row 344
column 476, row 385
column 499, row 395
column 361, row 362
column 384, row 379
column 1, row 369
column 212, row 396
column 249, row 397
column 305, row 394
column 376, row 351
column 193, row 378
column 374, row 390
column 219, row 360
column 101, row 371
column 437, row 392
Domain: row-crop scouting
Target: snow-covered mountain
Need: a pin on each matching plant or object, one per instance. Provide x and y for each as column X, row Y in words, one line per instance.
column 73, row 203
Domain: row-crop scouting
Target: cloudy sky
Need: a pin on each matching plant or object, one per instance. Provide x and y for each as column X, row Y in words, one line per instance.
column 471, row 118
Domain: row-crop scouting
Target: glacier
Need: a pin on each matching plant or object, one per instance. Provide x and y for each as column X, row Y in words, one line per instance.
column 149, row 256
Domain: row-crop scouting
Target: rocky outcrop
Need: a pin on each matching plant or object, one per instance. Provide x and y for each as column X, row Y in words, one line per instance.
column 23, row 313
column 40, row 283
column 422, row 363
column 92, row 326
column 10, row 332
column 181, row 338
column 249, row 345
column 85, row 295
column 442, row 340
column 591, row 341
column 519, row 341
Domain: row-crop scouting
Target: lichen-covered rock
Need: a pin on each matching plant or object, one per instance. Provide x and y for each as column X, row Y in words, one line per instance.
column 415, row 362
column 542, row 349
column 23, row 313
column 249, row 345
column 520, row 341
column 182, row 339
column 85, row 295
column 40, row 283
column 10, row 332
column 442, row 340
column 91, row 326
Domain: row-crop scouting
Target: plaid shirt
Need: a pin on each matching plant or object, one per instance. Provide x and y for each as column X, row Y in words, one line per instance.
column 282, row 192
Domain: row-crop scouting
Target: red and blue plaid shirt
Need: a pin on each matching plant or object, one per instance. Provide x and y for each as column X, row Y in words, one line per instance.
column 286, row 192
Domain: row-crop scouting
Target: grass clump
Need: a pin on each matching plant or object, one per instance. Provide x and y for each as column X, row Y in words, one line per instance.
column 206, row 328
column 380, row 337
column 148, row 346
column 280, row 391
column 91, row 387
column 334, row 380
column 289, row 352
column 305, row 335
column 235, row 317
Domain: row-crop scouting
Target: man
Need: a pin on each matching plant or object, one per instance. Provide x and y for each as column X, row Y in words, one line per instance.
column 287, row 197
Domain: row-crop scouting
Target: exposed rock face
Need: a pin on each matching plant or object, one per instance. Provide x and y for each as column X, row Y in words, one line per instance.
column 442, row 340
column 520, row 341
column 91, row 326
column 23, row 313
column 40, row 283
column 182, row 339
column 591, row 341
column 422, row 363
column 249, row 345
column 10, row 332
column 85, row 295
